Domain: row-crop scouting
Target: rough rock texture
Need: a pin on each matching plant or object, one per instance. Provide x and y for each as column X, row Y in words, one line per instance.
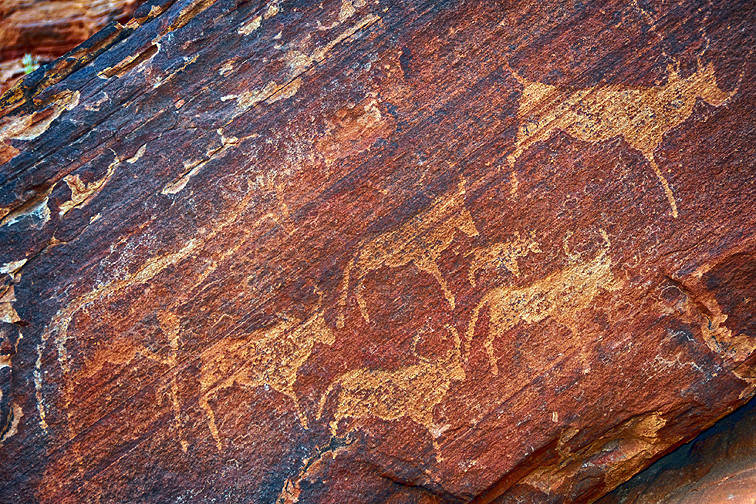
column 48, row 29
column 404, row 252
column 717, row 467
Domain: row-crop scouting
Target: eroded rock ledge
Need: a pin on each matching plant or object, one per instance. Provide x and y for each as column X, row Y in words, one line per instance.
column 375, row 251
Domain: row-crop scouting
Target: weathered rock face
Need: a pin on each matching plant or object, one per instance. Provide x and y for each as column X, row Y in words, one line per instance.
column 717, row 467
column 376, row 252
column 48, row 29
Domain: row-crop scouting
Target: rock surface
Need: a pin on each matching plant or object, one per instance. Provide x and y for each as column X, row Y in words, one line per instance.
column 48, row 29
column 376, row 252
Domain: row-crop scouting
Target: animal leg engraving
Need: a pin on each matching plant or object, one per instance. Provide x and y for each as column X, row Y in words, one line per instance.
column 344, row 294
column 170, row 325
column 361, row 299
column 211, row 420
column 664, row 183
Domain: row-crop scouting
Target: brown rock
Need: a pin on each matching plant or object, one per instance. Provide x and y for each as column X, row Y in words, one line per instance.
column 48, row 29
column 719, row 466
column 375, row 252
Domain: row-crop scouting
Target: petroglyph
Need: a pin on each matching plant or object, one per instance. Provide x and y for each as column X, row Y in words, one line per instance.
column 411, row 391
column 419, row 241
column 58, row 327
column 642, row 116
column 268, row 357
column 560, row 296
column 502, row 254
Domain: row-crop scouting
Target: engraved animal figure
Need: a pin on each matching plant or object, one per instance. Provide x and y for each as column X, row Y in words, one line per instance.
column 419, row 241
column 411, row 391
column 268, row 357
column 641, row 115
column 561, row 296
column 501, row 254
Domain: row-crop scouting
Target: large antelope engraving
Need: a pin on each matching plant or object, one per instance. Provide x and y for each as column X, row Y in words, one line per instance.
column 561, row 296
column 419, row 241
column 411, row 391
column 268, row 357
column 642, row 116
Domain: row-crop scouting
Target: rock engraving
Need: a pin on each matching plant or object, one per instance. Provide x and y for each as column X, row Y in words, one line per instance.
column 419, row 241
column 267, row 357
column 503, row 254
column 561, row 296
column 642, row 116
column 411, row 391
column 122, row 350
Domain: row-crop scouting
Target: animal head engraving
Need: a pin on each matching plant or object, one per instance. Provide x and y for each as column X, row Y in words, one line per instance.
column 270, row 357
column 419, row 241
column 560, row 296
column 642, row 116
column 411, row 391
column 705, row 82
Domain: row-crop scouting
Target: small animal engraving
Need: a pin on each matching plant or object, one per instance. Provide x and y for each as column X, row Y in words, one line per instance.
column 419, row 241
column 561, row 296
column 268, row 357
column 411, row 391
column 641, row 115
column 501, row 254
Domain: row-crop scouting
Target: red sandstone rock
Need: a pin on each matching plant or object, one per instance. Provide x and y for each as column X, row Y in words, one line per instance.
column 373, row 252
